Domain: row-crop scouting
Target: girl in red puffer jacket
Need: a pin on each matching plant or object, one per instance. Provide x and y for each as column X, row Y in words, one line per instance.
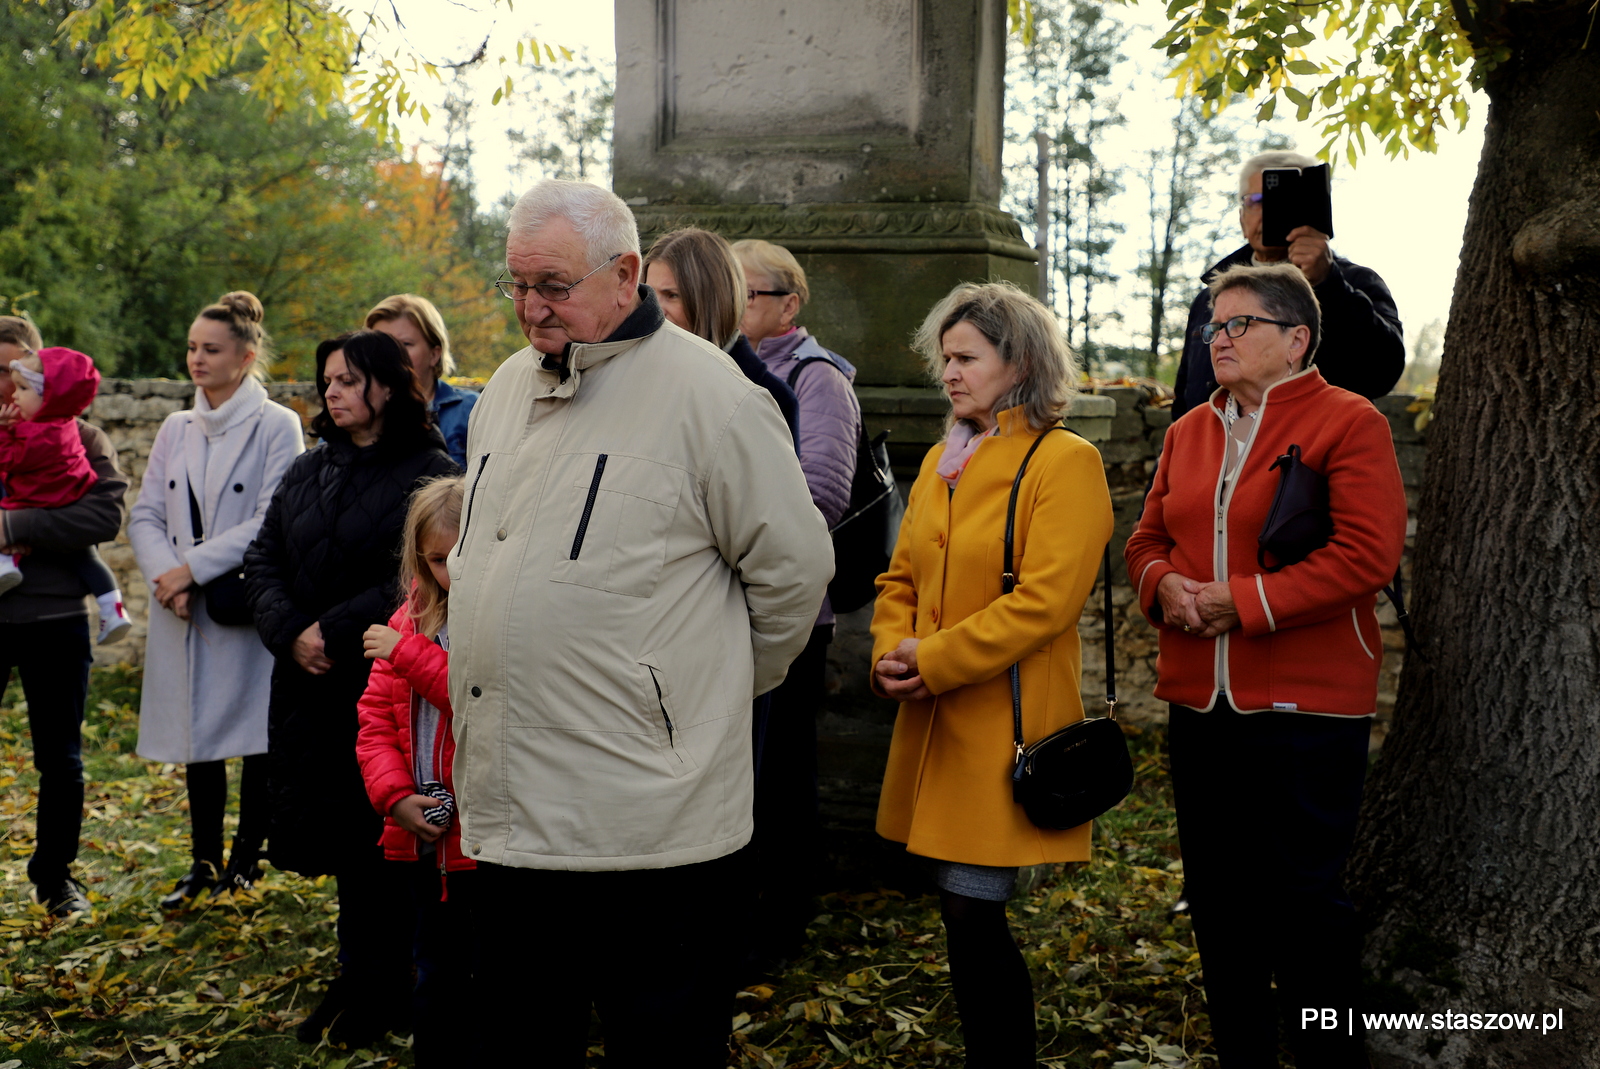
column 406, row 750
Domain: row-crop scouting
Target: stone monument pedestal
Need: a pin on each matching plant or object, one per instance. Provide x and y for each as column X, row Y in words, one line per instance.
column 862, row 135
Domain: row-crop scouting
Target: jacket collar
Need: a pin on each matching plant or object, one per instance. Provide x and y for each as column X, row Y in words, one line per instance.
column 1233, row 259
column 444, row 394
column 1290, row 388
column 642, row 322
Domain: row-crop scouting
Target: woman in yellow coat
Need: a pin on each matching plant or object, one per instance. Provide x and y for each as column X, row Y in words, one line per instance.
column 944, row 637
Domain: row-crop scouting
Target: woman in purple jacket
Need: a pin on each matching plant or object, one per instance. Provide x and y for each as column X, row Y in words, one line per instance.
column 787, row 829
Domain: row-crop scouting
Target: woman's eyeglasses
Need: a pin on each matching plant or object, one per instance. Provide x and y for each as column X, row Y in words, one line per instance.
column 1236, row 327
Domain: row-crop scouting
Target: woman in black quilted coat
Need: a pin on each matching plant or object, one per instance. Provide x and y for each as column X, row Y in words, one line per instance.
column 325, row 567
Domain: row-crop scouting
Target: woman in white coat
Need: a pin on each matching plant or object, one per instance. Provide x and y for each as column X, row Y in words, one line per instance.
column 212, row 472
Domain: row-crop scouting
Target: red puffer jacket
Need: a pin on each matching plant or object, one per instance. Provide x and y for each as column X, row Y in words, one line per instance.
column 384, row 746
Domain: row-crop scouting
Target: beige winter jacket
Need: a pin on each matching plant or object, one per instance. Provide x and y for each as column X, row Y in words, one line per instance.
column 638, row 557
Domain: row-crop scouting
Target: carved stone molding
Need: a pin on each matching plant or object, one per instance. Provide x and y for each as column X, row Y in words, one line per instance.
column 941, row 227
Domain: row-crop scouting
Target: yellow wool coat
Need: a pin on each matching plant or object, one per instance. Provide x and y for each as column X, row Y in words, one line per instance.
column 947, row 789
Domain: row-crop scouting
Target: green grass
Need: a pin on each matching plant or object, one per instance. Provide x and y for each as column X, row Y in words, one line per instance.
column 1117, row 981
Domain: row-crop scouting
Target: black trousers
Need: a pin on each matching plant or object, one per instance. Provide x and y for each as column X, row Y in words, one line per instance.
column 1267, row 805
column 52, row 657
column 443, row 1001
column 787, row 842
column 647, row 948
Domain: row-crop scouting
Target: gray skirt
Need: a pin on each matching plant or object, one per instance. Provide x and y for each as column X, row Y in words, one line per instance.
column 987, row 882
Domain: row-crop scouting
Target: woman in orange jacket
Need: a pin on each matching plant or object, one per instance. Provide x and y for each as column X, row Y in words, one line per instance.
column 944, row 636
column 1271, row 666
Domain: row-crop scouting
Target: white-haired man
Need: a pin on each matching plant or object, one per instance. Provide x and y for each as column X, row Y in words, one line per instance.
column 638, row 556
column 1363, row 347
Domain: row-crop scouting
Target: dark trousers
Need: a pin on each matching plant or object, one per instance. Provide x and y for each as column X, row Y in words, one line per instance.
column 377, row 924
column 1267, row 806
column 208, row 800
column 442, row 1003
column 786, row 845
column 647, row 948
column 52, row 657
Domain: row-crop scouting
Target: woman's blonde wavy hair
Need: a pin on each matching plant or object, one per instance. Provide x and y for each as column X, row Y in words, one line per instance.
column 436, row 506
column 1024, row 332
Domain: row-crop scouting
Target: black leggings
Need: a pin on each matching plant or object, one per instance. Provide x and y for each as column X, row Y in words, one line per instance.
column 994, row 994
column 208, row 798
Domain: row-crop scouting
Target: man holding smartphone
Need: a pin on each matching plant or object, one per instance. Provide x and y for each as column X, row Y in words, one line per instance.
column 1363, row 347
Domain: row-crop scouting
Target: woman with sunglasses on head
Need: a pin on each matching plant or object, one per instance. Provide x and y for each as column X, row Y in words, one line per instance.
column 1270, row 665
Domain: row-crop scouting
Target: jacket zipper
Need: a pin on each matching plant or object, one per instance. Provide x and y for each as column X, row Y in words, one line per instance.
column 466, row 524
column 1219, row 551
column 663, row 703
column 588, row 509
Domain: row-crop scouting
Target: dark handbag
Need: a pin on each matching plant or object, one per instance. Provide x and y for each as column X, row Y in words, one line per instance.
column 864, row 537
column 227, row 599
column 1299, row 521
column 1070, row 776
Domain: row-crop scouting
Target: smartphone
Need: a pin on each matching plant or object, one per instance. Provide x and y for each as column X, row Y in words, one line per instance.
column 1293, row 197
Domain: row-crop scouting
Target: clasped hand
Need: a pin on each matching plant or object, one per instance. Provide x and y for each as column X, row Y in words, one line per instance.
column 897, row 673
column 1204, row 610
column 407, row 813
column 172, row 590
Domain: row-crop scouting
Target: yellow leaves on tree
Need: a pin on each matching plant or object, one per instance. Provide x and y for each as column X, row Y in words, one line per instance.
column 289, row 53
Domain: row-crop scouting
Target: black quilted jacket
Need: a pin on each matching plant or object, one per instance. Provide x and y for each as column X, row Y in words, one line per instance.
column 328, row 553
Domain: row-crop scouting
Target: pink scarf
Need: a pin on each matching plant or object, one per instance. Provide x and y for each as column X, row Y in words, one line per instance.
column 959, row 445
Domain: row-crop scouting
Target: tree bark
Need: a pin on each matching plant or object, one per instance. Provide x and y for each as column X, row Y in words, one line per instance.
column 1478, row 862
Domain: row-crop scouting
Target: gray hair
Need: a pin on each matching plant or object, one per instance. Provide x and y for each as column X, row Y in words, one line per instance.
column 601, row 219
column 1283, row 292
column 1266, row 160
column 1023, row 331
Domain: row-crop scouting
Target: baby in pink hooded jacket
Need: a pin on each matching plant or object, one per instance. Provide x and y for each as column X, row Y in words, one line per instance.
column 43, row 464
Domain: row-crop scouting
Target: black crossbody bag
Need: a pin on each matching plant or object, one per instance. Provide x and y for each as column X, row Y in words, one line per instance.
column 1070, row 776
column 227, row 599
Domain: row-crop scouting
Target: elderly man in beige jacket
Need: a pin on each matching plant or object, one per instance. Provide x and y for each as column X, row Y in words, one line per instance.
column 638, row 557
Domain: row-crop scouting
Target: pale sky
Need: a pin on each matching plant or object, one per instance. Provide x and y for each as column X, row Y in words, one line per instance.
column 1403, row 218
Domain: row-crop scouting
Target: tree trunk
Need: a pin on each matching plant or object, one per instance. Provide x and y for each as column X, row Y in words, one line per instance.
column 1479, row 856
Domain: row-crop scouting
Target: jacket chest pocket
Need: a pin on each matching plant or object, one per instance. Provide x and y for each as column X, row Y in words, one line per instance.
column 477, row 514
column 616, row 514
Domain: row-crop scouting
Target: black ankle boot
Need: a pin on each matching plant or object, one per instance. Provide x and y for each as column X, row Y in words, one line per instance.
column 334, row 1003
column 191, row 885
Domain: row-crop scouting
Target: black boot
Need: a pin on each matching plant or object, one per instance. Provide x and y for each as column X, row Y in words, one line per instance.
column 334, row 1003
column 240, row 875
column 191, row 885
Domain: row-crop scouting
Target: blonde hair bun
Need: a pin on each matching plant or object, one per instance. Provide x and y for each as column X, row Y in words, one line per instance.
column 244, row 305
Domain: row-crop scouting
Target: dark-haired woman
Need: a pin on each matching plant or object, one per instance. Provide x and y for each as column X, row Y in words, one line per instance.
column 324, row 567
column 211, row 474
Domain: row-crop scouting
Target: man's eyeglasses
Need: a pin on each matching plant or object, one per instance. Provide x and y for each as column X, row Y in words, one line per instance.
column 751, row 295
column 1249, row 200
column 549, row 291
column 1237, row 326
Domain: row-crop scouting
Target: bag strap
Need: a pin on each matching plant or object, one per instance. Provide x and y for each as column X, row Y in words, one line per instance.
column 1008, row 583
column 800, row 365
column 1396, row 593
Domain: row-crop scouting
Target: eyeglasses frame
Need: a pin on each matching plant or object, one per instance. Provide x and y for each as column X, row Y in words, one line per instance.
column 562, row 291
column 1215, row 328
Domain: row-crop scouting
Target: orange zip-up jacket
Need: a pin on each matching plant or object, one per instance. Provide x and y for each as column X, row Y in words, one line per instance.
column 1308, row 638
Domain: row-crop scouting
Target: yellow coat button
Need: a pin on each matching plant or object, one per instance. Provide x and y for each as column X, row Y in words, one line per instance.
column 940, row 539
column 934, row 614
